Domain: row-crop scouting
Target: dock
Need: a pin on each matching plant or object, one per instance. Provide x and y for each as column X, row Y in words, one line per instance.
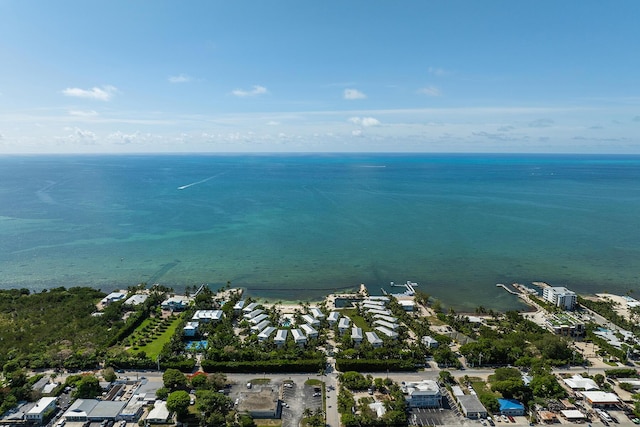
column 500, row 285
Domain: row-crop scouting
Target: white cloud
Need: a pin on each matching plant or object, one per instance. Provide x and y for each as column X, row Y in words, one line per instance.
column 255, row 91
column 437, row 71
column 357, row 132
column 180, row 78
column 430, row 91
column 105, row 93
column 365, row 121
column 273, row 123
column 351, row 94
column 80, row 113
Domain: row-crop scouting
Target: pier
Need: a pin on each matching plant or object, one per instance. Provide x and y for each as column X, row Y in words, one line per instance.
column 500, row 285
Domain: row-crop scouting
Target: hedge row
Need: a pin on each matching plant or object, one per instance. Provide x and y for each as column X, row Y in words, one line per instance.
column 374, row 365
column 311, row 365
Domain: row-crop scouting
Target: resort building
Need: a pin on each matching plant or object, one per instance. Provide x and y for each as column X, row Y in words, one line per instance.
column 566, row 325
column 266, row 333
column 389, row 319
column 309, row 331
column 373, row 339
column 356, row 335
column 407, row 305
column 298, row 337
column 560, row 297
column 44, row 405
column 259, row 318
column 423, row 394
column 386, row 331
column 249, row 307
column 206, row 316
column 307, row 318
column 343, row 325
column 373, row 311
column 388, row 325
column 237, row 308
column 253, row 313
column 260, row 326
column 333, row 317
column 281, row 337
column 317, row 313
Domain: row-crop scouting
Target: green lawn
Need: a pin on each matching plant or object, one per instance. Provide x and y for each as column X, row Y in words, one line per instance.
column 154, row 346
column 357, row 320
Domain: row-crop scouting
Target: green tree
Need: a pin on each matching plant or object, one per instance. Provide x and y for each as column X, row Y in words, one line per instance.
column 162, row 393
column 178, row 402
column 109, row 374
column 87, row 388
column 174, row 379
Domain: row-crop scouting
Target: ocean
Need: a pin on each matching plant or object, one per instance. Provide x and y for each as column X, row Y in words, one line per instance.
column 297, row 227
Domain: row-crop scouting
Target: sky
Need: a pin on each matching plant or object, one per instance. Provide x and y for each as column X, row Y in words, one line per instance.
column 115, row 76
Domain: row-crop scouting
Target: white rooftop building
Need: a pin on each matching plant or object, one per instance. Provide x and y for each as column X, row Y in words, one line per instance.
column 253, row 313
column 373, row 339
column 136, row 299
column 266, row 333
column 249, row 307
column 387, row 332
column 560, row 297
column 260, row 326
column 388, row 325
column 309, row 331
column 423, row 394
column 207, row 316
column 113, row 297
column 307, row 318
column 190, row 329
column 356, row 335
column 259, row 318
column 317, row 313
column 333, row 317
column 298, row 337
column 577, row 382
column 41, row 407
column 281, row 337
column 343, row 325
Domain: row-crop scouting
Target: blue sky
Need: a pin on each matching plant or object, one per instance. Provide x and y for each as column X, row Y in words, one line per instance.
column 291, row 76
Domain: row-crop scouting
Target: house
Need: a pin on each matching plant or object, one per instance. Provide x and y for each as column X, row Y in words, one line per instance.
column 317, row 313
column 386, row 331
column 389, row 319
column 471, row 406
column 249, row 307
column 259, row 318
column 281, row 337
column 266, row 333
column 343, row 325
column 298, row 337
column 373, row 339
column 356, row 335
column 333, row 317
column 560, row 297
column 260, row 326
column 423, row 394
column 388, row 325
column 253, row 313
column 407, row 305
column 307, row 318
column 511, row 407
column 41, row 408
column 429, row 341
column 175, row 303
column 136, row 299
column 206, row 316
column 159, row 414
column 237, row 308
column 373, row 311
column 190, row 329
column 134, row 408
column 309, row 331
column 113, row 297
column 378, row 408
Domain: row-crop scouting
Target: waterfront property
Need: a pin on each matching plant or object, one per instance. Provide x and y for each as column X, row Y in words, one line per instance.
column 343, row 325
column 309, row 331
column 207, row 316
column 266, row 333
column 281, row 337
column 560, row 297
column 373, row 339
column 333, row 318
column 356, row 335
column 298, row 337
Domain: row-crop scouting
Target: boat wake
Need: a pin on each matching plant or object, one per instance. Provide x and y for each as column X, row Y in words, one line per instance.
column 182, row 187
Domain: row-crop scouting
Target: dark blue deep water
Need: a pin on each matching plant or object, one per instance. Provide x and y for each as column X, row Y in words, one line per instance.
column 293, row 227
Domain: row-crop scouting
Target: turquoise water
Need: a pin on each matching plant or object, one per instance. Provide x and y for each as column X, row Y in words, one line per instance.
column 297, row 227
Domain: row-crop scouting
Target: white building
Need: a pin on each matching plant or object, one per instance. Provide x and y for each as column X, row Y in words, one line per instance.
column 309, row 331
column 299, row 337
column 423, row 394
column 333, row 317
column 260, row 326
column 237, row 308
column 281, row 337
column 253, row 313
column 560, row 297
column 266, row 333
column 307, row 318
column 259, row 318
column 190, row 329
column 317, row 313
column 250, row 307
column 113, row 297
column 386, row 331
column 159, row 414
column 343, row 325
column 388, row 325
column 356, row 335
column 429, row 341
column 136, row 299
column 207, row 316
column 43, row 406
column 373, row 339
